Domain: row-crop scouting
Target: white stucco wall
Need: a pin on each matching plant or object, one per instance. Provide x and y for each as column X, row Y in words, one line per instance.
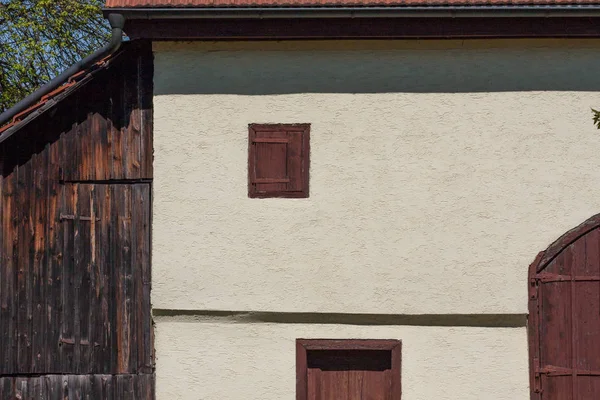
column 215, row 361
column 438, row 171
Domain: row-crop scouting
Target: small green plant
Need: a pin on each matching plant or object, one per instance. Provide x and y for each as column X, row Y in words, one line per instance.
column 596, row 118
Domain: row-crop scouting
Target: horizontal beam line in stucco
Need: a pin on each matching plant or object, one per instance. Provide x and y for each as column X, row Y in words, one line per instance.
column 473, row 320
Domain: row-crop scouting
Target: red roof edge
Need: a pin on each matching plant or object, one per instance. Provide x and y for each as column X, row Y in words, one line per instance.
column 71, row 83
column 174, row 4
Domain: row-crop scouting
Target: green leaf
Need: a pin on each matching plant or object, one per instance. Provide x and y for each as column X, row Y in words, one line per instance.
column 596, row 118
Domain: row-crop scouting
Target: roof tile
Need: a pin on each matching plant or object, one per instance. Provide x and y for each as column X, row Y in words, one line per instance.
column 335, row 3
column 72, row 82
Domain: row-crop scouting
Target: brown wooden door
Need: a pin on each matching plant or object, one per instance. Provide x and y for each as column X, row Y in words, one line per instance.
column 349, row 385
column 357, row 374
column 564, row 321
column 104, row 299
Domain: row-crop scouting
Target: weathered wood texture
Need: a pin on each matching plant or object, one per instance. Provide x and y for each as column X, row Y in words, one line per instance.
column 103, row 130
column 59, row 387
column 565, row 317
column 75, row 193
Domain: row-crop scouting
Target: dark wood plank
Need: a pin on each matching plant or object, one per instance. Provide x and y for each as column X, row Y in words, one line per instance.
column 29, row 265
column 141, row 266
column 3, row 306
column 116, row 133
column 131, row 125
column 7, row 295
column 124, row 284
column 105, row 270
column 126, row 386
column 39, row 261
column 73, row 168
column 113, row 277
column 99, row 139
column 82, row 287
column 21, row 388
column 53, row 386
column 95, row 329
column 110, row 126
column 137, row 303
column 144, row 387
column 7, row 387
column 36, row 386
column 13, row 273
column 85, row 165
column 54, row 238
column 98, row 386
column 69, row 227
column 24, row 183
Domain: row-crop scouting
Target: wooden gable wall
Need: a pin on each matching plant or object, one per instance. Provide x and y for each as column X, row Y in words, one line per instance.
column 75, row 209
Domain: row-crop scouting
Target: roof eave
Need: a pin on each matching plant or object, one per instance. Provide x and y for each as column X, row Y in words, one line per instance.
column 475, row 11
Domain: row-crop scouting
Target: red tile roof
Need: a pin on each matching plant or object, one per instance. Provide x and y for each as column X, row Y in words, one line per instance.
column 65, row 89
column 342, row 3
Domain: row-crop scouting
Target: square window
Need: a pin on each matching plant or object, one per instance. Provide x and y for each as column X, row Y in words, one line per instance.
column 278, row 160
column 329, row 369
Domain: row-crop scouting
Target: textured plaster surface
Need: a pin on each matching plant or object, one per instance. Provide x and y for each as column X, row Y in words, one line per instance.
column 216, row 361
column 438, row 171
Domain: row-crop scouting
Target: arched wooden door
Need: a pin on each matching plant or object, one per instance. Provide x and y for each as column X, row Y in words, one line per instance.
column 564, row 317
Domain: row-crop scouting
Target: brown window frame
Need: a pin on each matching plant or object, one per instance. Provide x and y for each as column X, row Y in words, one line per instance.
column 304, row 129
column 303, row 345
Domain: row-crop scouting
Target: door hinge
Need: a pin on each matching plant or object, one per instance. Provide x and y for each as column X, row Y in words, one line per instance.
column 533, row 289
column 537, row 376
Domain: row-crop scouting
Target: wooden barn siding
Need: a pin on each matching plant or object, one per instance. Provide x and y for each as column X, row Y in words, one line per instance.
column 75, row 291
column 61, row 387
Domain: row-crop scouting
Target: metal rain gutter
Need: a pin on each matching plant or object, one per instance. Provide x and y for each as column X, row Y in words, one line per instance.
column 509, row 11
column 117, row 21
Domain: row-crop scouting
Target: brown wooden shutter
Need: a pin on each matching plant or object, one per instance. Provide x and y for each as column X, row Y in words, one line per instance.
column 564, row 317
column 278, row 160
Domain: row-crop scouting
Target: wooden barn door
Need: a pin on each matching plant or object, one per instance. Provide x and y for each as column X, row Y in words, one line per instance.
column 105, row 321
column 564, row 321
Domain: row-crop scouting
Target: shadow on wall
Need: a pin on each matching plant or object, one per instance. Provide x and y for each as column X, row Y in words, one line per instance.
column 381, row 71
